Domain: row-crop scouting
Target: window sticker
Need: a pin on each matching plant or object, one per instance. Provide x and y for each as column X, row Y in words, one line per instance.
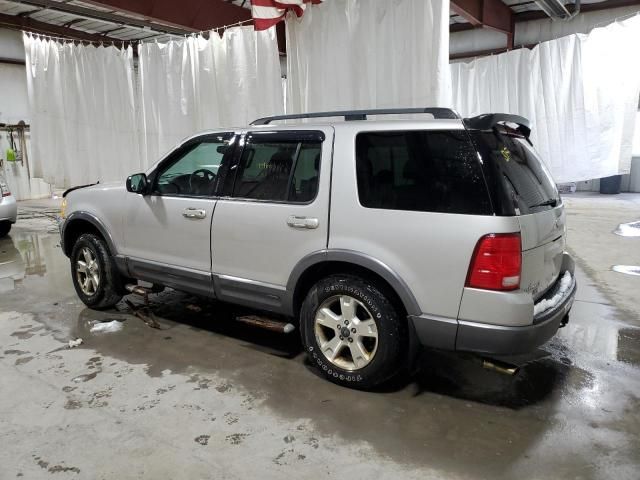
column 506, row 154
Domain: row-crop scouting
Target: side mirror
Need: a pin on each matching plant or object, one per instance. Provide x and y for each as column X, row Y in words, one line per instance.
column 138, row 183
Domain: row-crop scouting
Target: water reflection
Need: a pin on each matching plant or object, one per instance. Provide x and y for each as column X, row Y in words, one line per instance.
column 628, row 269
column 12, row 267
column 21, row 255
column 631, row 229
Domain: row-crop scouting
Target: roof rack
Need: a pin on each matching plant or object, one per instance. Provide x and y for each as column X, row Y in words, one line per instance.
column 490, row 120
column 350, row 115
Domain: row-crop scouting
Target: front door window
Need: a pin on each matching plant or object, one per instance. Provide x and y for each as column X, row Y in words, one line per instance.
column 195, row 167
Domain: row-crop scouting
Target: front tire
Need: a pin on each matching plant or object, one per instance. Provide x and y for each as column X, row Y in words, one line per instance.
column 5, row 228
column 352, row 333
column 95, row 276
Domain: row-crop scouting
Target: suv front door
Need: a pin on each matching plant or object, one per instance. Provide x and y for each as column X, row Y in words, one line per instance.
column 167, row 232
column 277, row 212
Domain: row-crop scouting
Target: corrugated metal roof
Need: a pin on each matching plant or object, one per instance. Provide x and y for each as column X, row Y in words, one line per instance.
column 121, row 30
column 518, row 6
column 118, row 30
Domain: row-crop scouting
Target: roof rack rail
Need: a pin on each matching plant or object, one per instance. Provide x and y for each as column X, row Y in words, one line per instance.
column 490, row 120
column 350, row 115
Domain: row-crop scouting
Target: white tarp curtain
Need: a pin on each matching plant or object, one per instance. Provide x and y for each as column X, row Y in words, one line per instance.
column 82, row 102
column 345, row 54
column 195, row 84
column 580, row 92
column 92, row 119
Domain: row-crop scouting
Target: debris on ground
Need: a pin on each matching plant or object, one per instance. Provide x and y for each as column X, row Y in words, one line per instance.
column 106, row 327
column 144, row 314
column 193, row 308
column 266, row 323
column 75, row 343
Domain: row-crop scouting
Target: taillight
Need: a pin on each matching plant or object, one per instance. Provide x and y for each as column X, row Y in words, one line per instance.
column 4, row 190
column 496, row 262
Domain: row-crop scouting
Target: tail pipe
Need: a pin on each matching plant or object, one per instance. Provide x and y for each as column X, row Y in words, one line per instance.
column 500, row 367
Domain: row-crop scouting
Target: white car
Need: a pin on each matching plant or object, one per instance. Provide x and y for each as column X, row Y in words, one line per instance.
column 8, row 208
column 372, row 236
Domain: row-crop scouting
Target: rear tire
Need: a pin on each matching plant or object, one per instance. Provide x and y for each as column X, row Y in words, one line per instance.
column 352, row 333
column 5, row 228
column 95, row 275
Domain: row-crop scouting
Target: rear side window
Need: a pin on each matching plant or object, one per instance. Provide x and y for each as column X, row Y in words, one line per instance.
column 425, row 170
column 522, row 177
column 275, row 169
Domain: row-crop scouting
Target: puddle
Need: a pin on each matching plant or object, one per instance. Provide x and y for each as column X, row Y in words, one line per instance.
column 631, row 229
column 628, row 269
column 22, row 255
column 628, row 341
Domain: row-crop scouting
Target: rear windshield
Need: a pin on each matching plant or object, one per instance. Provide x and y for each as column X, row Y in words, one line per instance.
column 516, row 175
column 420, row 170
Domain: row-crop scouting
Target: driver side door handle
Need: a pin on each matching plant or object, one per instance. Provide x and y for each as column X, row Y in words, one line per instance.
column 195, row 213
column 302, row 222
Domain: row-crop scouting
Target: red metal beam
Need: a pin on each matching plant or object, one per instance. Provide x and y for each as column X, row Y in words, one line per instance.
column 16, row 22
column 471, row 10
column 492, row 14
column 196, row 15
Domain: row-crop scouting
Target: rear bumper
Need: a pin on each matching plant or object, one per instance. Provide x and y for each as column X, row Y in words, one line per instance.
column 468, row 334
column 8, row 209
column 501, row 340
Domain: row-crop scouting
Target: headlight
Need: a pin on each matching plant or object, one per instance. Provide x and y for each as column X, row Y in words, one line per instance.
column 63, row 208
column 4, row 189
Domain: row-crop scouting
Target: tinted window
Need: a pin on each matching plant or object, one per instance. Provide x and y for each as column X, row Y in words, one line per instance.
column 194, row 169
column 285, row 170
column 429, row 171
column 524, row 179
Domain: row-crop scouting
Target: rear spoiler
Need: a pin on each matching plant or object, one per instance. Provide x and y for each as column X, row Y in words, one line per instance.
column 489, row 120
column 66, row 192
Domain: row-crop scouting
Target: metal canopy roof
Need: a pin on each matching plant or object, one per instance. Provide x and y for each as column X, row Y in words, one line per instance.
column 99, row 21
column 134, row 20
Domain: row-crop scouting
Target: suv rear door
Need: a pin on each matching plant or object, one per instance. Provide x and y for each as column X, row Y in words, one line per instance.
column 522, row 186
column 274, row 212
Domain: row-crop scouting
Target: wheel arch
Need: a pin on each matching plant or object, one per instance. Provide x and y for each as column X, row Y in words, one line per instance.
column 79, row 223
column 320, row 264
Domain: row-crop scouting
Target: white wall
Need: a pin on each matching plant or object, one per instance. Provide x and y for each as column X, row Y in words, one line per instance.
column 14, row 106
column 534, row 31
column 542, row 30
column 11, row 44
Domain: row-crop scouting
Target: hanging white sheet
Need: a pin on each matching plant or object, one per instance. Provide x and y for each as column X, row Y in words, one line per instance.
column 195, row 84
column 580, row 92
column 347, row 54
column 83, row 122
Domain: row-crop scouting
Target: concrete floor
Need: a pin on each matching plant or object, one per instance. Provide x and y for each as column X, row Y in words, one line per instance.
column 206, row 397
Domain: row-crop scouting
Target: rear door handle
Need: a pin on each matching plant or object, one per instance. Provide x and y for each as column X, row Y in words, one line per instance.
column 302, row 222
column 194, row 213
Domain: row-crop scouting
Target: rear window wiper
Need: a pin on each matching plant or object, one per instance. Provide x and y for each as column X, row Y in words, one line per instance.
column 552, row 202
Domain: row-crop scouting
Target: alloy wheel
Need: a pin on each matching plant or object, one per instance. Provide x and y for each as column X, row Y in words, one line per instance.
column 346, row 332
column 88, row 272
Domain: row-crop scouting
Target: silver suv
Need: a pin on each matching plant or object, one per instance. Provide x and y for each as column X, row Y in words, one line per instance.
column 8, row 208
column 372, row 236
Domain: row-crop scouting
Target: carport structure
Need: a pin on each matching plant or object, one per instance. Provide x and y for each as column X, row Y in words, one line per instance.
column 115, row 21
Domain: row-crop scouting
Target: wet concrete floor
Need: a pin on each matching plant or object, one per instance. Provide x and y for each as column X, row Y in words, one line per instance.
column 208, row 397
